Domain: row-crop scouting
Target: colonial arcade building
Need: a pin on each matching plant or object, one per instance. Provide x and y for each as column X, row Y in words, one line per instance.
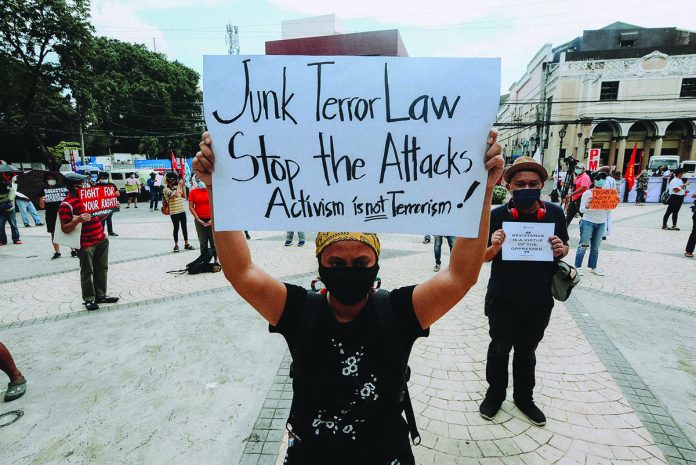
column 612, row 89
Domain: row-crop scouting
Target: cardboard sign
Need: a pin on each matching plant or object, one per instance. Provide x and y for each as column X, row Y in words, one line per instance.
column 603, row 199
column 527, row 241
column 378, row 144
column 593, row 163
column 100, row 199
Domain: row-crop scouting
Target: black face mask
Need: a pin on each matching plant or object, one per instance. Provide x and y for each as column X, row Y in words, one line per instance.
column 348, row 285
column 525, row 198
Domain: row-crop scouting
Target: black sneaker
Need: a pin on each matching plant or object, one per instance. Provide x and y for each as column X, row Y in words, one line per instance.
column 73, row 253
column 113, row 234
column 55, row 255
column 300, row 244
column 107, row 300
column 287, row 243
column 532, row 412
column 92, row 305
column 489, row 408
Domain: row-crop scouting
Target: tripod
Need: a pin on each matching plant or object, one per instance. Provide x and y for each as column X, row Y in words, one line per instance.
column 567, row 185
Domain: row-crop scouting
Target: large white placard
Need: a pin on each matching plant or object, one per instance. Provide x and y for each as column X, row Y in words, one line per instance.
column 527, row 241
column 380, row 144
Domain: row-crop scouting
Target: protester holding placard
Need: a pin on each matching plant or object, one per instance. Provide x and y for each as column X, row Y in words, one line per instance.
column 593, row 224
column 107, row 223
column 677, row 191
column 94, row 246
column 519, row 301
column 51, row 198
column 133, row 188
column 347, row 400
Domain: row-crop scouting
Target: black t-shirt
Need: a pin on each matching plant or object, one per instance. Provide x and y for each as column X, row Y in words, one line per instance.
column 346, row 408
column 524, row 276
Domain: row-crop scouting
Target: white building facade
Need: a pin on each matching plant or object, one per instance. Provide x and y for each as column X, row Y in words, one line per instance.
column 612, row 89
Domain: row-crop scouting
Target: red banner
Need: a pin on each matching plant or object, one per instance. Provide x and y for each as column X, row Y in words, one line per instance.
column 99, row 200
column 630, row 174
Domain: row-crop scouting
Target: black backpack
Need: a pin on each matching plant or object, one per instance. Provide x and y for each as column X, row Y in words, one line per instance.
column 200, row 265
column 383, row 310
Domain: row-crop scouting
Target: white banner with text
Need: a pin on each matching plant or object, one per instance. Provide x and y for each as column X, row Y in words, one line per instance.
column 378, row 144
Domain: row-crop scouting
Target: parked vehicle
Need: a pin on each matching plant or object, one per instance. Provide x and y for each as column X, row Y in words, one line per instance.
column 119, row 176
column 670, row 161
column 689, row 167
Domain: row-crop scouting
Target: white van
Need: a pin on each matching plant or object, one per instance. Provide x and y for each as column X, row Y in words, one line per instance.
column 689, row 167
column 119, row 176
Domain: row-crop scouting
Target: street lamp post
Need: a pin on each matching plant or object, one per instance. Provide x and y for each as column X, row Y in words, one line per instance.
column 562, row 133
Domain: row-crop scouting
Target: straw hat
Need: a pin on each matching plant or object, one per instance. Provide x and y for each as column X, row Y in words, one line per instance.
column 525, row 164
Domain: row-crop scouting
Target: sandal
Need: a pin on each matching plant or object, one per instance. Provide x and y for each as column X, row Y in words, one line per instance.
column 176, row 248
column 189, row 247
column 688, row 255
column 16, row 389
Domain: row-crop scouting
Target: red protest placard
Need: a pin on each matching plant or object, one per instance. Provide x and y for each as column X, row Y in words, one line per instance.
column 604, row 199
column 99, row 200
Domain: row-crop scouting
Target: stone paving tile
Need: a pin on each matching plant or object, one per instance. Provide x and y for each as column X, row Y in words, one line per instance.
column 590, row 419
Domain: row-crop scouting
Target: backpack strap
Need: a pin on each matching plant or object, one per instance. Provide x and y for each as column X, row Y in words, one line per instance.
column 308, row 318
column 385, row 318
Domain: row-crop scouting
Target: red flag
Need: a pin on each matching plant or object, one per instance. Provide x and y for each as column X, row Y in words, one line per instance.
column 175, row 167
column 182, row 168
column 630, row 174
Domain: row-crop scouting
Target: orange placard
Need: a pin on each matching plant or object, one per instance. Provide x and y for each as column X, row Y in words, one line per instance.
column 603, row 199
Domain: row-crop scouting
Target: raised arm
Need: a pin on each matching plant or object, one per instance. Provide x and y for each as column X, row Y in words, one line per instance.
column 435, row 297
column 264, row 292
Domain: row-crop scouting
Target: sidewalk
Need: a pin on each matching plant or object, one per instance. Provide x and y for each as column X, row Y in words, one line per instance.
column 182, row 371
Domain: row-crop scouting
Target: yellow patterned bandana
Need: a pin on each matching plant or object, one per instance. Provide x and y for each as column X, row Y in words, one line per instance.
column 325, row 239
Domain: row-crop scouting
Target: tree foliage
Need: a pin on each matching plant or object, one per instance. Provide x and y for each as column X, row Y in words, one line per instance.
column 56, row 77
column 37, row 37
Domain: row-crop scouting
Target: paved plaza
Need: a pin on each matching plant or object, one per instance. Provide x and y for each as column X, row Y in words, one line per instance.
column 183, row 371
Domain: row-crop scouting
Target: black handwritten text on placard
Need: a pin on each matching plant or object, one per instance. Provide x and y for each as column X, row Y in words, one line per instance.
column 337, row 142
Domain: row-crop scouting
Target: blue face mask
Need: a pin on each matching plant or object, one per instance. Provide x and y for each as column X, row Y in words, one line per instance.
column 578, row 171
column 525, row 198
column 600, row 182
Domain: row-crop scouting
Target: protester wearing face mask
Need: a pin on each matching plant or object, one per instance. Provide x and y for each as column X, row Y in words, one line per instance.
column 51, row 197
column 518, row 300
column 199, row 205
column 174, row 196
column 347, row 385
column 94, row 246
column 582, row 183
column 592, row 228
column 133, row 187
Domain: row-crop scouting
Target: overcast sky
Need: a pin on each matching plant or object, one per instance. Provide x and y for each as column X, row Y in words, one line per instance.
column 514, row 30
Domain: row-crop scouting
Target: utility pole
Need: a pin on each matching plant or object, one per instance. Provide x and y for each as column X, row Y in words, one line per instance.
column 232, row 39
column 154, row 45
column 82, row 145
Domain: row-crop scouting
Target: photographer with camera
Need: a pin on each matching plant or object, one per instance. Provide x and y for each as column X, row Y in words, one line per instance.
column 582, row 183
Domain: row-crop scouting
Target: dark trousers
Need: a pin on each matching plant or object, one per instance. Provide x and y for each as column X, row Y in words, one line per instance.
column 205, row 237
column 673, row 206
column 154, row 197
column 640, row 195
column 573, row 208
column 8, row 216
column 437, row 247
column 109, row 225
column 179, row 219
column 691, row 243
column 517, row 321
column 94, row 266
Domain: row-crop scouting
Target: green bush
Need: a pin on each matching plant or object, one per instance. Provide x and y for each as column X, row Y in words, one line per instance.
column 499, row 194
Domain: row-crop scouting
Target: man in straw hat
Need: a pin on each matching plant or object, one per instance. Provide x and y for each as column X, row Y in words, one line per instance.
column 519, row 301
column 347, row 401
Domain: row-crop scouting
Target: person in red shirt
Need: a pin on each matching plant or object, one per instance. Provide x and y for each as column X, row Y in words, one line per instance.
column 199, row 205
column 582, row 183
column 94, row 246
